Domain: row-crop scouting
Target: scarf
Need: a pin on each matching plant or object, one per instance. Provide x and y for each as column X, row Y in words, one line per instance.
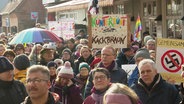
column 110, row 67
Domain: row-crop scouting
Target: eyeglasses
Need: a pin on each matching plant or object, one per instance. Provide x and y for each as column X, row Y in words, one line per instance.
column 106, row 55
column 102, row 77
column 35, row 81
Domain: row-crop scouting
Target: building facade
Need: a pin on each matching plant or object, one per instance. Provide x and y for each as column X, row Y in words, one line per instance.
column 18, row 15
column 163, row 18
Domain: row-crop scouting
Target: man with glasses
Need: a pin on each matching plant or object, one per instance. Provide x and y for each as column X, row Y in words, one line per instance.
column 37, row 85
column 11, row 91
column 101, row 81
column 118, row 75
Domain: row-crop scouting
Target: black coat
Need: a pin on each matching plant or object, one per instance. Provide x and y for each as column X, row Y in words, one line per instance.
column 12, row 92
column 160, row 93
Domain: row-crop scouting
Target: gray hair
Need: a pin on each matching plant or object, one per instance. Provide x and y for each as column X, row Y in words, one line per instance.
column 39, row 68
column 147, row 61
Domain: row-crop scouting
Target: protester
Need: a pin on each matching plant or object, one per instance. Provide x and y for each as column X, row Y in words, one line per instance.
column 97, row 59
column 150, row 44
column 77, row 52
column 151, row 88
column 60, row 47
column 21, row 63
column 52, row 66
column 2, row 49
column 67, row 56
column 152, row 54
column 81, row 78
column 101, row 81
column 141, row 54
column 118, row 75
column 84, row 42
column 59, row 62
column 35, row 53
column 120, row 94
column 71, row 45
column 182, row 85
column 19, row 49
column 125, row 56
column 11, row 91
column 46, row 54
column 86, row 56
column 64, row 86
column 82, row 34
column 9, row 54
column 37, row 85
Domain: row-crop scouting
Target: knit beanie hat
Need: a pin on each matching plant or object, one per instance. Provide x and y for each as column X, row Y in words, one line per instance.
column 21, row 62
column 52, row 64
column 5, row 64
column 142, row 52
column 84, row 64
column 67, row 50
column 66, row 71
column 117, row 98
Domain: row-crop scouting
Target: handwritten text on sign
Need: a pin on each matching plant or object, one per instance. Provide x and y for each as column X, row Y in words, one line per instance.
column 109, row 29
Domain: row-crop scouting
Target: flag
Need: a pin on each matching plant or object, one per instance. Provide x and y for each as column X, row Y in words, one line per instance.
column 138, row 28
column 93, row 7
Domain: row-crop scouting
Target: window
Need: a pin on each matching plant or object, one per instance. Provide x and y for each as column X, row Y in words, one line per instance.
column 174, row 7
column 115, row 9
column 68, row 15
column 120, row 9
column 149, row 8
column 174, row 28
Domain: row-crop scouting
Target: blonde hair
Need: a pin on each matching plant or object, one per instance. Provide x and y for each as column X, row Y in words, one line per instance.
column 118, row 88
column 84, row 47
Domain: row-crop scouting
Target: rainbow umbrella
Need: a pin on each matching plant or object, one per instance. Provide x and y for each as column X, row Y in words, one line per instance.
column 34, row 35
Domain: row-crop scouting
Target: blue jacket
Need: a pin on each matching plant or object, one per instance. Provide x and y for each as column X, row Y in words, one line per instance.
column 161, row 92
column 133, row 77
column 117, row 75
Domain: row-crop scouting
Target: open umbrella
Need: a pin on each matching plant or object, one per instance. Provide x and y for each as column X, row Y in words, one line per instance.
column 35, row 35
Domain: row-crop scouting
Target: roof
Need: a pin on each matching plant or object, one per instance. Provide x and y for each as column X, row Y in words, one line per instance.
column 77, row 4
column 10, row 7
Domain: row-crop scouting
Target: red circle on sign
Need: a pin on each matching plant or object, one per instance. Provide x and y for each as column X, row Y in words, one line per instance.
column 166, row 53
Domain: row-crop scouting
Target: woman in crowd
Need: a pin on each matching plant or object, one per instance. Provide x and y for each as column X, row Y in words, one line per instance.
column 34, row 55
column 101, row 81
column 120, row 94
column 69, row 93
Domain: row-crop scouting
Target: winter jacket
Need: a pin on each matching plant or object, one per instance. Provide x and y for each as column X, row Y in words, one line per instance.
column 81, row 59
column 12, row 92
column 96, row 97
column 159, row 92
column 81, row 82
column 117, row 75
column 51, row 100
column 68, row 95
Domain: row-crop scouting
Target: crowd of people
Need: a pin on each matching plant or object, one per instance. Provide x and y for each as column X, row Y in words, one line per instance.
column 70, row 72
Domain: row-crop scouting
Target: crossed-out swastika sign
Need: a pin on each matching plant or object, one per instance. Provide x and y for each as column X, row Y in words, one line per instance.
column 172, row 60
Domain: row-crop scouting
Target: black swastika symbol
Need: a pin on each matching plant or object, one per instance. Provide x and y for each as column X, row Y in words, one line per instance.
column 173, row 64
